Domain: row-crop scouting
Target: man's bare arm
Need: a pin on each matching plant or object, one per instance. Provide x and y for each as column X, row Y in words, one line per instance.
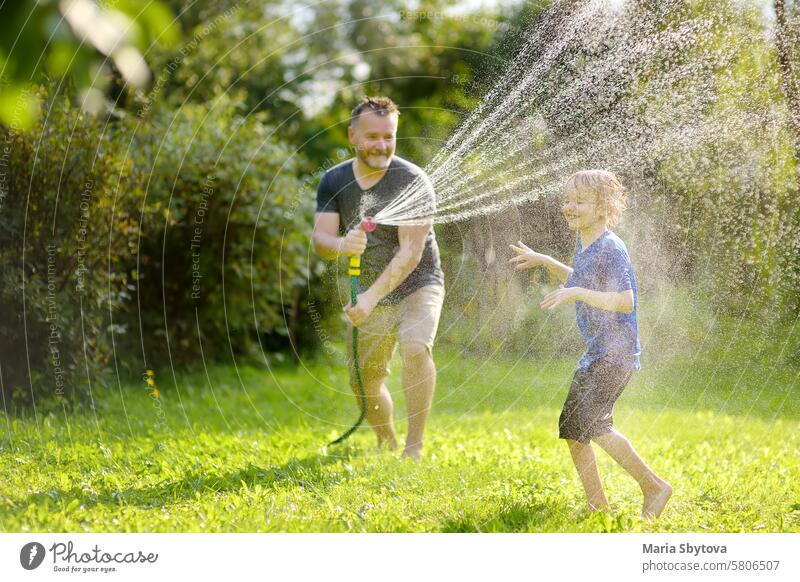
column 412, row 244
column 327, row 242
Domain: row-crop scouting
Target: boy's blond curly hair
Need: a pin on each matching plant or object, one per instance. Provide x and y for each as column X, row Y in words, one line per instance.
column 611, row 197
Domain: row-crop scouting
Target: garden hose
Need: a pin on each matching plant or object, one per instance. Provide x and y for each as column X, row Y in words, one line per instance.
column 367, row 225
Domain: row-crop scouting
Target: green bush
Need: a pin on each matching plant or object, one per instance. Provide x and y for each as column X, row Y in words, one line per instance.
column 222, row 257
column 126, row 242
column 68, row 222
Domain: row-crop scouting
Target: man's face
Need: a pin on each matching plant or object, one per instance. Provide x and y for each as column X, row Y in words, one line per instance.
column 374, row 137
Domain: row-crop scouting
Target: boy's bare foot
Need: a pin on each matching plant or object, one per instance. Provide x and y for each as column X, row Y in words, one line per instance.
column 655, row 500
column 413, row 452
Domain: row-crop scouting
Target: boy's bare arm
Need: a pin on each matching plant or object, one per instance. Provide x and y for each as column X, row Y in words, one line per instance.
column 527, row 258
column 621, row 301
column 558, row 269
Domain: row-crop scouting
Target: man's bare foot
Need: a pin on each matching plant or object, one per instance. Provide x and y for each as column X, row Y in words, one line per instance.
column 589, row 509
column 387, row 443
column 413, row 452
column 655, row 500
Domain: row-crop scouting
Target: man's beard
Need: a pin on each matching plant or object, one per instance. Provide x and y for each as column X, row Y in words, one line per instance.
column 364, row 157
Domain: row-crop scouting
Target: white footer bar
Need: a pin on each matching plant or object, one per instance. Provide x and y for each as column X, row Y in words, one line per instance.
column 401, row 557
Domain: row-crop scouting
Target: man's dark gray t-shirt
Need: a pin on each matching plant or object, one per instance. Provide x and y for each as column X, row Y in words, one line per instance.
column 339, row 192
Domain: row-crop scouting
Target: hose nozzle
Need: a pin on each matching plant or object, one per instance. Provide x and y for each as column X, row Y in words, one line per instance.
column 368, row 224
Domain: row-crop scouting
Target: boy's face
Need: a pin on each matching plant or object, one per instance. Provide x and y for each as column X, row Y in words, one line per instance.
column 581, row 210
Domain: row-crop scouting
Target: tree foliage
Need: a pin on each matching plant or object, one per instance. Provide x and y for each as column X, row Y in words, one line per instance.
column 89, row 44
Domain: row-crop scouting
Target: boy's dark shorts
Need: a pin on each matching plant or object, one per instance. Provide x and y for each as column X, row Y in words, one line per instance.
column 590, row 401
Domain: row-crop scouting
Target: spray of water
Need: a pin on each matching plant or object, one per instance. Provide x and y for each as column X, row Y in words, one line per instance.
column 596, row 84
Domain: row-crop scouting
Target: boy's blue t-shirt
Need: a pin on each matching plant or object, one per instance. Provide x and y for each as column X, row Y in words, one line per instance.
column 606, row 266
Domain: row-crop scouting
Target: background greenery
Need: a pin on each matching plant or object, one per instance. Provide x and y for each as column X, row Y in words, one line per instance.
column 247, row 105
column 104, row 179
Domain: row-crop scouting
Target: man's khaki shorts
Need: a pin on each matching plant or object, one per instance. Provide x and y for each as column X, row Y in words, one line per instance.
column 413, row 320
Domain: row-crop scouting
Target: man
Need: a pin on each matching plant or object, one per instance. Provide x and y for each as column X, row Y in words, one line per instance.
column 402, row 284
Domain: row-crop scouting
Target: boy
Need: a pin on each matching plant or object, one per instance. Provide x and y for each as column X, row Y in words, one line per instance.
column 603, row 288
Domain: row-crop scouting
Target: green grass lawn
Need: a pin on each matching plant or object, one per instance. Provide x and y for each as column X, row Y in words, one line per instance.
column 242, row 450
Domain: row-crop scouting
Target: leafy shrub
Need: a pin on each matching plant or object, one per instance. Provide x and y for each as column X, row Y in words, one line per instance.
column 68, row 222
column 129, row 243
column 224, row 243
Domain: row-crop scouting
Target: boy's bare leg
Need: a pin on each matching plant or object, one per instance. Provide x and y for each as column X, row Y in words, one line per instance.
column 419, row 383
column 586, row 464
column 656, row 491
column 380, row 411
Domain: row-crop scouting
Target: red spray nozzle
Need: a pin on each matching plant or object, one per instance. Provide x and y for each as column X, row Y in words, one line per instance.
column 368, row 224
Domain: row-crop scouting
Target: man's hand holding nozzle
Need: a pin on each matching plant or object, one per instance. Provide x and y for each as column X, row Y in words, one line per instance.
column 354, row 243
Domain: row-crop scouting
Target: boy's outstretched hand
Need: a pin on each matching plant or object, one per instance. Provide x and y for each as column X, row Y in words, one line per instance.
column 561, row 296
column 526, row 257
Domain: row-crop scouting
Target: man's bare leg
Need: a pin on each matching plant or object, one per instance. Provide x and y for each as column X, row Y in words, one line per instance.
column 656, row 491
column 586, row 464
column 419, row 384
column 380, row 411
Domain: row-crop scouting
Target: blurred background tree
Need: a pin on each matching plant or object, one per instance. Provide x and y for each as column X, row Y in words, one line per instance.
column 88, row 45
